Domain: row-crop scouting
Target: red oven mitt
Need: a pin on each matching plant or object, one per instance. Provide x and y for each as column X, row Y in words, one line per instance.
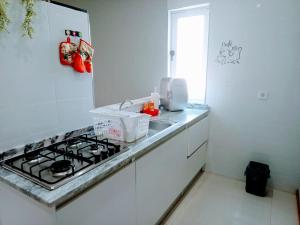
column 88, row 65
column 78, row 63
column 66, row 51
column 87, row 52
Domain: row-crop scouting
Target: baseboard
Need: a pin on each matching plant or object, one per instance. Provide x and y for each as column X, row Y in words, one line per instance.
column 298, row 204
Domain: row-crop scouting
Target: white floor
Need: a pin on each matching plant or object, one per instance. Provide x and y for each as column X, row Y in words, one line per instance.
column 216, row 200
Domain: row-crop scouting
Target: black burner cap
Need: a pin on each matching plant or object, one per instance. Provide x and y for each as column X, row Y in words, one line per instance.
column 60, row 166
column 94, row 147
column 32, row 155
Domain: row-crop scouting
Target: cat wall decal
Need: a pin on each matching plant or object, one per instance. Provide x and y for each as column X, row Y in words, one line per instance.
column 229, row 53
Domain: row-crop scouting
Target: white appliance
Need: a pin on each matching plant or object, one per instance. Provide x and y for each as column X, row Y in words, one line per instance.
column 173, row 93
column 54, row 98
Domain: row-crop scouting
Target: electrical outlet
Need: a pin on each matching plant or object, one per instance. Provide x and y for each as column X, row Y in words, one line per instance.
column 262, row 95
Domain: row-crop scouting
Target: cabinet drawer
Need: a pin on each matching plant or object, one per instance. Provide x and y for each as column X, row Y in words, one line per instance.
column 196, row 161
column 197, row 135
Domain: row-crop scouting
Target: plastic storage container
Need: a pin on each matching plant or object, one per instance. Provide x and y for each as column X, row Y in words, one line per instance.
column 120, row 125
column 257, row 175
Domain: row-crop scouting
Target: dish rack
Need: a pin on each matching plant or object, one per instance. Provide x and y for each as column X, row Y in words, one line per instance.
column 120, row 125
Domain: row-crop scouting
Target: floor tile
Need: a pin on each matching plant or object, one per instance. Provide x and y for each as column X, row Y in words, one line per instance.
column 217, row 200
column 284, row 209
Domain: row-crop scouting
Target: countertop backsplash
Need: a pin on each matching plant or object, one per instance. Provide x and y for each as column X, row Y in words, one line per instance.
column 45, row 142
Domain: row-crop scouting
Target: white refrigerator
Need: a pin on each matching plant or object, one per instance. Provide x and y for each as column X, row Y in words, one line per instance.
column 39, row 97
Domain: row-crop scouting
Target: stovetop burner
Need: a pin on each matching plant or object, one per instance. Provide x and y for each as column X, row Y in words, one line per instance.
column 33, row 157
column 96, row 149
column 59, row 163
column 61, row 168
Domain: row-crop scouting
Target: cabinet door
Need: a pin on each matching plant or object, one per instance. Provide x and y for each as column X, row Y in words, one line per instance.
column 160, row 177
column 198, row 134
column 111, row 202
column 17, row 208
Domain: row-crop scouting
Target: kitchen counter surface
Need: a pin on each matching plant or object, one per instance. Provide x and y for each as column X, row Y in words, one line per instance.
column 59, row 196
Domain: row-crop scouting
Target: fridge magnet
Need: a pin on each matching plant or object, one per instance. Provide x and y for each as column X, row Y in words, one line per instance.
column 229, row 53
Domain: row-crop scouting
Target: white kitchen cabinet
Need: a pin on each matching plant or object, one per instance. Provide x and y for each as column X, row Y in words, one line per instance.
column 138, row 194
column 197, row 134
column 197, row 147
column 19, row 209
column 160, row 177
column 111, row 202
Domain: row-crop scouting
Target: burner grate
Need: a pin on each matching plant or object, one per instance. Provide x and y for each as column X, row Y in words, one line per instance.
column 82, row 153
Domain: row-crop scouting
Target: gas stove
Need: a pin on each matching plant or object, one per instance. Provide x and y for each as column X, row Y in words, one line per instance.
column 57, row 164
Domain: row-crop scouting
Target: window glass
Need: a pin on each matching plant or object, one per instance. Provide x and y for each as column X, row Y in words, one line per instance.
column 189, row 45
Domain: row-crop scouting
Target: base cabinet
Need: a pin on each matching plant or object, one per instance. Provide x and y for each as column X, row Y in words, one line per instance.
column 160, row 178
column 142, row 192
column 111, row 202
column 138, row 194
column 19, row 209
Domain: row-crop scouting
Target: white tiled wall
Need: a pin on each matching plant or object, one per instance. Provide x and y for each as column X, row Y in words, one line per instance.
column 38, row 96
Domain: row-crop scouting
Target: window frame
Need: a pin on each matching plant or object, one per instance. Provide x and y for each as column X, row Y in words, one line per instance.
column 174, row 15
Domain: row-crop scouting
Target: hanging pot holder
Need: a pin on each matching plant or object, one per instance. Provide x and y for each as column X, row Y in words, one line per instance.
column 66, row 51
column 87, row 52
column 86, row 49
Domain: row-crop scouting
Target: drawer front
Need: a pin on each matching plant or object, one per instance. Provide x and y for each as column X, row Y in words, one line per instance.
column 198, row 134
column 196, row 161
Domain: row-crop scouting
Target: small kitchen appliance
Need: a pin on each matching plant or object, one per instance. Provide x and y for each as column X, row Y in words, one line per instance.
column 173, row 93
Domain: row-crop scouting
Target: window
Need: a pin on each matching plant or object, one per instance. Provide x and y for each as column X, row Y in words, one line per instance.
column 188, row 42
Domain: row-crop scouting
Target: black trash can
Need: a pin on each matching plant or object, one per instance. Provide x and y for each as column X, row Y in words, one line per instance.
column 257, row 175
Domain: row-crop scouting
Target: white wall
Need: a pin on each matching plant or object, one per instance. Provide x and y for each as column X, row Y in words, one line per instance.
column 242, row 127
column 130, row 38
column 39, row 97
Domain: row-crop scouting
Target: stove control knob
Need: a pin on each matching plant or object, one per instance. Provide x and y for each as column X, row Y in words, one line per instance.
column 111, row 151
column 104, row 154
column 117, row 149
